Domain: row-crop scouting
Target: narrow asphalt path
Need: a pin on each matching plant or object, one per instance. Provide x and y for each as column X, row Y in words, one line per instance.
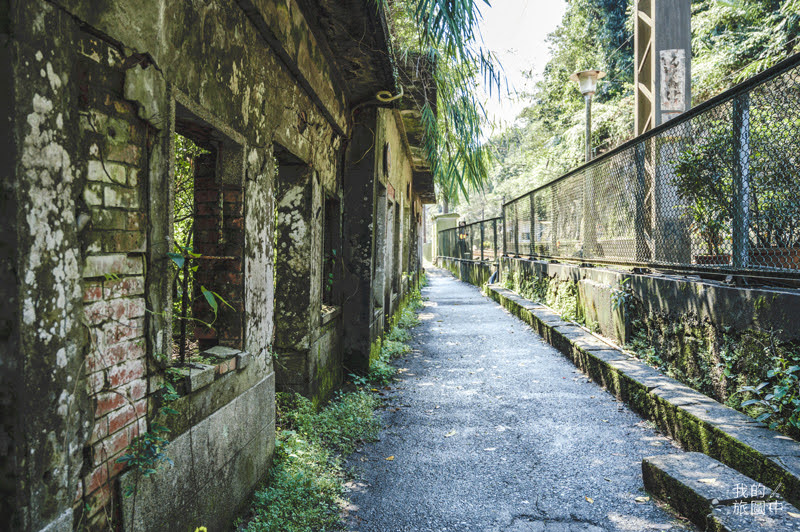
column 491, row 429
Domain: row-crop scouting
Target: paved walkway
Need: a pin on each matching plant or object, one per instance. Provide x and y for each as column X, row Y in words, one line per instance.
column 491, row 429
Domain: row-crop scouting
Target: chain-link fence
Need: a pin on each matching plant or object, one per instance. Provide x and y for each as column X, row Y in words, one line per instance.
column 476, row 241
column 717, row 188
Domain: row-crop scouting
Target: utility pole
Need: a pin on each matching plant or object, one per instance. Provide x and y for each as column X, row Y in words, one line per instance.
column 662, row 61
column 662, row 81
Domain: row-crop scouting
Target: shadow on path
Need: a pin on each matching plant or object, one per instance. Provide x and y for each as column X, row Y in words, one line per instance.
column 491, row 430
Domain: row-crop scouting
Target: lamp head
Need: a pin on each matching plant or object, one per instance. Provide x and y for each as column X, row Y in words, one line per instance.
column 587, row 80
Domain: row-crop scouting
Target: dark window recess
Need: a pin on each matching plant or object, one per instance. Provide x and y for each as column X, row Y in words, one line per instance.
column 396, row 252
column 331, row 247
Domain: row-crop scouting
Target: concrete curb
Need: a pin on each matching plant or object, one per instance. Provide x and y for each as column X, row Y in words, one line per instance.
column 698, row 422
column 715, row 497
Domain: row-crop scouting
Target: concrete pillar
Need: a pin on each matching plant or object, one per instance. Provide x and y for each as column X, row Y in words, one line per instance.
column 662, row 80
column 662, row 61
column 361, row 200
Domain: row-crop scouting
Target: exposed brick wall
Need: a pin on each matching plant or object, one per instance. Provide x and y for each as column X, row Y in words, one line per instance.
column 219, row 237
column 114, row 142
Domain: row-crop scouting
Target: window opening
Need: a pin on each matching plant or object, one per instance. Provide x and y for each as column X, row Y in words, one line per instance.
column 208, row 236
column 331, row 251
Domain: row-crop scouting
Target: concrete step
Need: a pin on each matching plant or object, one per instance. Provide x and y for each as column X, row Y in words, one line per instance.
column 715, row 497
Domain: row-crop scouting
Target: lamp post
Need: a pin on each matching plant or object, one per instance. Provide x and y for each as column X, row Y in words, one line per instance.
column 587, row 83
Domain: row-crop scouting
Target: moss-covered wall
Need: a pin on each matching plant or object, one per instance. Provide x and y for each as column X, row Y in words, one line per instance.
column 50, row 397
column 477, row 273
column 395, row 173
column 98, row 90
column 377, row 252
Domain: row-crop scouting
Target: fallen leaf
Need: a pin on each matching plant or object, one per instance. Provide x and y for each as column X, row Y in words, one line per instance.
column 607, row 479
column 373, row 389
column 390, row 458
column 707, row 480
column 792, row 514
column 642, row 499
column 589, row 500
column 451, row 433
column 490, row 449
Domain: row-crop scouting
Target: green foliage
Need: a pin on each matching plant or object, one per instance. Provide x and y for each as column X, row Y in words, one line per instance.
column 183, row 206
column 621, row 294
column 398, row 334
column 704, row 179
column 146, row 452
column 776, row 400
column 306, row 483
column 407, row 319
column 344, row 422
column 643, row 348
column 183, row 257
column 547, row 138
column 304, row 489
column 381, row 371
column 444, row 36
column 732, row 40
column 564, row 300
column 754, row 372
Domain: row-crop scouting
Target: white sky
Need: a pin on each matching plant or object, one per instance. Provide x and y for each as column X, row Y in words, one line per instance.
column 515, row 30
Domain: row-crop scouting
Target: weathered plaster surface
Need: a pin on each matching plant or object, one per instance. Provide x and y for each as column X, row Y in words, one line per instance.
column 51, row 337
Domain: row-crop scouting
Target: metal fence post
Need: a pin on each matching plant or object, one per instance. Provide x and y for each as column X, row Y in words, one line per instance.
column 532, row 224
column 554, row 228
column 482, row 231
column 516, row 230
column 642, row 250
column 741, row 181
column 494, row 229
column 503, row 221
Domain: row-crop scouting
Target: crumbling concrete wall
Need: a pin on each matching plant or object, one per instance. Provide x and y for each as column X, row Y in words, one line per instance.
column 10, row 375
column 396, row 175
column 47, row 333
column 380, row 235
column 95, row 94
column 97, row 89
column 307, row 340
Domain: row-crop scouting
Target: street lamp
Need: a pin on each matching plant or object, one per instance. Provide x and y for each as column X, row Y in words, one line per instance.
column 587, row 83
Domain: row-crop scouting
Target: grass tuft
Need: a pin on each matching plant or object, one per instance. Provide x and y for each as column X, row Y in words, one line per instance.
column 305, row 487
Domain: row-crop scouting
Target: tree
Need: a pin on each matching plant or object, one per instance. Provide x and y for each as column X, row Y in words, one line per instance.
column 445, row 34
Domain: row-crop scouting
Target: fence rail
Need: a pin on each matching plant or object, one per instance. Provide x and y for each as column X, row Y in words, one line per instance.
column 476, row 241
column 717, row 188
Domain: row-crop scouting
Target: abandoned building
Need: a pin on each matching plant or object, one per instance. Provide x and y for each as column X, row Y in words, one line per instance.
column 205, row 201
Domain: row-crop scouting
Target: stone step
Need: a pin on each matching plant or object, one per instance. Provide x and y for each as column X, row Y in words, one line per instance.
column 715, row 497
